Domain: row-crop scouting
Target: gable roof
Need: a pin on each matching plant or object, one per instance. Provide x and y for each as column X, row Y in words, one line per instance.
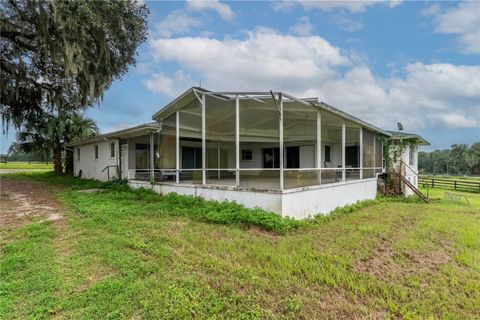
column 191, row 94
column 131, row 132
column 405, row 135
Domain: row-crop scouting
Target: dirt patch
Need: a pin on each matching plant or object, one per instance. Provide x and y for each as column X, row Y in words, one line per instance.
column 388, row 264
column 23, row 201
column 334, row 304
column 259, row 232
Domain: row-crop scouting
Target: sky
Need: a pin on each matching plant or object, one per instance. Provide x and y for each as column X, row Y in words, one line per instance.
column 385, row 62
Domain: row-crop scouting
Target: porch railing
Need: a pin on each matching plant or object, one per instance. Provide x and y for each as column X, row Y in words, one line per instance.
column 257, row 178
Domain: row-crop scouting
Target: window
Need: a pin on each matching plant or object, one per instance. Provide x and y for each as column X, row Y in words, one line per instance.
column 327, row 154
column 78, row 154
column 271, row 157
column 96, row 151
column 112, row 150
column 411, row 155
column 247, row 155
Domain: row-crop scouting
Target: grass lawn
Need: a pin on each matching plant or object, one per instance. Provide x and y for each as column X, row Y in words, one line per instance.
column 26, row 165
column 136, row 255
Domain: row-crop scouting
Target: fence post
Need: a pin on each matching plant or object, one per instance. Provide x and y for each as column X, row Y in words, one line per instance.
column 433, row 183
column 455, row 184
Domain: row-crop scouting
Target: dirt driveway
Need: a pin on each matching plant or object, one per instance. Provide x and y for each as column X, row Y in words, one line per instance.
column 24, row 201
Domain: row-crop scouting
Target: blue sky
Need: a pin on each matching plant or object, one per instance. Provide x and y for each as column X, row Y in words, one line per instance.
column 382, row 61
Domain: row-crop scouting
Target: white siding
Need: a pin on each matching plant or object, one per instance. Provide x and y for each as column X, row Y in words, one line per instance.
column 409, row 174
column 90, row 167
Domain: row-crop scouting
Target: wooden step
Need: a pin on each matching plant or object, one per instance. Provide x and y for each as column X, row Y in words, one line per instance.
column 414, row 189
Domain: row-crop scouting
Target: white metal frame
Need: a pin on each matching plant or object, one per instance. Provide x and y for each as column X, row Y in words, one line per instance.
column 279, row 100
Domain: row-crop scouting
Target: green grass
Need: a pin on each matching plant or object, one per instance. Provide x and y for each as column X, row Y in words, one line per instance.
column 133, row 254
column 26, row 165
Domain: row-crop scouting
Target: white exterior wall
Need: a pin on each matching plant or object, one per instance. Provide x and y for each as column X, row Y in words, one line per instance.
column 408, row 173
column 91, row 167
column 322, row 200
column 298, row 204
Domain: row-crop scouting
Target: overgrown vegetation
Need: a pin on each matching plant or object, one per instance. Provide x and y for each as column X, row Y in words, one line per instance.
column 134, row 254
column 393, row 148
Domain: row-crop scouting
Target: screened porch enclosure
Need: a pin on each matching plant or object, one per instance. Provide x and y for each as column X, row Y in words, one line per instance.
column 255, row 140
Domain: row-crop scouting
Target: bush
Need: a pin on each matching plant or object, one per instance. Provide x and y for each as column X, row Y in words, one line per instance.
column 117, row 185
column 226, row 213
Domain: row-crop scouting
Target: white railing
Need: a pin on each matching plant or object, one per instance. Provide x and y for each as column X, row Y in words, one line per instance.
column 258, row 178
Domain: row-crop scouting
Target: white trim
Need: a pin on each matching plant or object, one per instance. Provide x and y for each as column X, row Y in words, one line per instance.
column 237, row 141
column 343, row 151
column 319, row 145
column 177, row 147
column 204, row 143
column 280, row 98
column 361, row 153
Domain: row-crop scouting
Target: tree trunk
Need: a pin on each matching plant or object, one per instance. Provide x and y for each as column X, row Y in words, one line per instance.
column 69, row 162
column 57, row 158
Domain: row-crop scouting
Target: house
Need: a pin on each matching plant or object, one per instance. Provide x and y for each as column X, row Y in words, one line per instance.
column 295, row 157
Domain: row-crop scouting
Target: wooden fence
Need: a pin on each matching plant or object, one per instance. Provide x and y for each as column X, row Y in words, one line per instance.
column 461, row 185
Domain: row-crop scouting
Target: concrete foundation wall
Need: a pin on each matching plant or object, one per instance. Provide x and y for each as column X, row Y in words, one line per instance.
column 298, row 204
column 323, row 200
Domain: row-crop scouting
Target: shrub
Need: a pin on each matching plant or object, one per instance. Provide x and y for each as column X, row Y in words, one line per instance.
column 117, row 185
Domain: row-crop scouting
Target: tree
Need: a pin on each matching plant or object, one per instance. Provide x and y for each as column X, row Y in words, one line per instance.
column 461, row 161
column 52, row 133
column 475, row 154
column 61, row 56
column 17, row 153
column 77, row 128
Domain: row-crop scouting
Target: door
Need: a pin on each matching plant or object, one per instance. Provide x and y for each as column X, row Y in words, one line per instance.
column 351, row 156
column 142, row 153
column 293, row 157
column 191, row 158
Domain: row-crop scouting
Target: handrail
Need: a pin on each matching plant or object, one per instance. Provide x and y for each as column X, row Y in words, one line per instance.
column 108, row 170
column 110, row 166
column 406, row 165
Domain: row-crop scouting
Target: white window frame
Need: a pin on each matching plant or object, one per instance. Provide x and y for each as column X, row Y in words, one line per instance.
column 112, row 148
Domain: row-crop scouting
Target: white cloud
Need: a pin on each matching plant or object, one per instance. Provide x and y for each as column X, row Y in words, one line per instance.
column 303, row 28
column 169, row 86
column 345, row 23
column 455, row 120
column 222, row 9
column 423, row 96
column 265, row 58
column 432, row 10
column 177, row 22
column 464, row 21
column 352, row 6
column 419, row 95
column 142, row 68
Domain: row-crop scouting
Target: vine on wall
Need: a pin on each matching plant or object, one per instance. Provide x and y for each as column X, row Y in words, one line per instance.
column 393, row 148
